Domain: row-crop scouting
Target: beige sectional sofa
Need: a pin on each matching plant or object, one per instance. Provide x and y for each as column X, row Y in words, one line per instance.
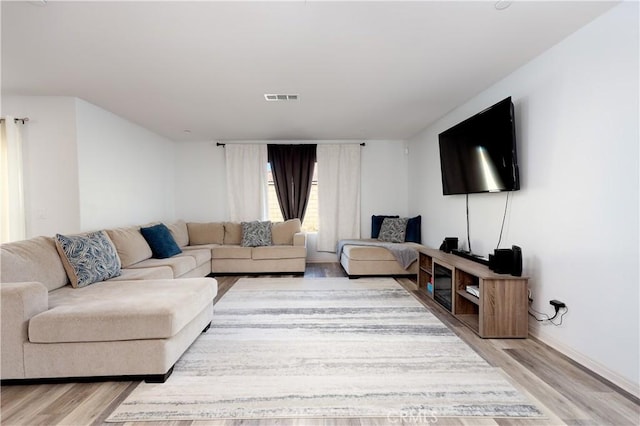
column 287, row 254
column 136, row 324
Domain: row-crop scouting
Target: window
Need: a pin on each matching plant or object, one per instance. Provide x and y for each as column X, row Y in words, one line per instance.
column 310, row 223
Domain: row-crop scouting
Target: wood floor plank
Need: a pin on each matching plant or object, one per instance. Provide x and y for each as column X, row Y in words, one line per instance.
column 27, row 409
column 91, row 409
column 567, row 392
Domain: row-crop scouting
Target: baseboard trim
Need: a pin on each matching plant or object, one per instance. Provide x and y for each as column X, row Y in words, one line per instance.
column 625, row 385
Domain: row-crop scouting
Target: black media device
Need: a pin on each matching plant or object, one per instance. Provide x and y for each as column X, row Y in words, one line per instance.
column 449, row 244
column 517, row 261
column 479, row 154
column 506, row 261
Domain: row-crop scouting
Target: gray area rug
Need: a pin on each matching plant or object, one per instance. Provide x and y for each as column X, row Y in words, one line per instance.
column 325, row 348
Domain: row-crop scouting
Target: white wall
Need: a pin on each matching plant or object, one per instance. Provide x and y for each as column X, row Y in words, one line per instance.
column 51, row 185
column 86, row 168
column 201, row 182
column 576, row 216
column 201, row 193
column 126, row 172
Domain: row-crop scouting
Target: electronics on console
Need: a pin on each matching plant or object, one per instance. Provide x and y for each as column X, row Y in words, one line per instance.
column 502, row 261
column 449, row 244
column 506, row 261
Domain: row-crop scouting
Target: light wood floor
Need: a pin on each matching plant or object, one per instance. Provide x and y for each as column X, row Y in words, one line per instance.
column 569, row 393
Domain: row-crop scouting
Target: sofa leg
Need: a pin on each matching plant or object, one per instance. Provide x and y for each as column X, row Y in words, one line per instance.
column 206, row 328
column 158, row 378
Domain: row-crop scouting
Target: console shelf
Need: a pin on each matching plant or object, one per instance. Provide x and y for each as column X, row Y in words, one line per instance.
column 499, row 312
column 470, row 297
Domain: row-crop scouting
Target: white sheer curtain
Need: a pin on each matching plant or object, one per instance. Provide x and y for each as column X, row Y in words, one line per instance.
column 246, row 181
column 338, row 194
column 13, row 222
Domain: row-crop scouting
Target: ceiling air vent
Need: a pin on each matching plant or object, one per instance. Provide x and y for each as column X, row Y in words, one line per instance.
column 277, row 97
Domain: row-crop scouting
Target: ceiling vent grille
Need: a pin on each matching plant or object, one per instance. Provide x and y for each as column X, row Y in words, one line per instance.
column 272, row 97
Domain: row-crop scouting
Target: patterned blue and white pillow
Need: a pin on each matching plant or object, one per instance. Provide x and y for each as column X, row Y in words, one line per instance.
column 393, row 230
column 256, row 234
column 88, row 258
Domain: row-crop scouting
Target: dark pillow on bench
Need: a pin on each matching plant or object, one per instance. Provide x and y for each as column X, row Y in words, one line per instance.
column 414, row 230
column 376, row 224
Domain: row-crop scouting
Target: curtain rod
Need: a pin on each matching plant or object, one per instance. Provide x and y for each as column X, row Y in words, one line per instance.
column 223, row 144
column 17, row 120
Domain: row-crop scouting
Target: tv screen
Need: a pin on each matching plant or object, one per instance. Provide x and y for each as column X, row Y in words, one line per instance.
column 479, row 154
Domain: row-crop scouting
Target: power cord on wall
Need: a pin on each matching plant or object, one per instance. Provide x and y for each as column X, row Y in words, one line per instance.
column 504, row 216
column 468, row 237
column 542, row 317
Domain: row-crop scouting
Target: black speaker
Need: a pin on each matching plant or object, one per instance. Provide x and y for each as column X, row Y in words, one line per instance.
column 503, row 261
column 449, row 244
column 506, row 261
column 516, row 268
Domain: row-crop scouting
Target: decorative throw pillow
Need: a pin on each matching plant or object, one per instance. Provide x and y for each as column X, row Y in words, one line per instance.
column 414, row 231
column 256, row 234
column 161, row 241
column 393, row 230
column 88, row 258
column 376, row 223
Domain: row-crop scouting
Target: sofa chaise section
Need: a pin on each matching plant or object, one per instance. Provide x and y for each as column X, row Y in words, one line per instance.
column 118, row 327
column 374, row 257
column 360, row 261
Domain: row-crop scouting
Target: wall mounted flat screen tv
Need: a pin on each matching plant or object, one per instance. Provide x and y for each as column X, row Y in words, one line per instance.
column 479, row 154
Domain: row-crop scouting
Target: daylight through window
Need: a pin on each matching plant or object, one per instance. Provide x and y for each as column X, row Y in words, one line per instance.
column 310, row 223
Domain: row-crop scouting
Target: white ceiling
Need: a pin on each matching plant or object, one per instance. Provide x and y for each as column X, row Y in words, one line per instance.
column 363, row 70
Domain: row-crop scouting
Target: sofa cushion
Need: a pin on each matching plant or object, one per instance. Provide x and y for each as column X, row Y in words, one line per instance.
column 124, row 310
column 201, row 256
column 278, row 252
column 256, row 234
column 300, row 239
column 232, row 233
column 393, row 230
column 231, row 252
column 205, row 233
column 282, row 232
column 151, row 273
column 161, row 241
column 367, row 253
column 179, row 232
column 88, row 258
column 130, row 244
column 36, row 259
column 180, row 264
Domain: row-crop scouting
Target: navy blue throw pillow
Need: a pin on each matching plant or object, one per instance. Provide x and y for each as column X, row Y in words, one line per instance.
column 414, row 230
column 376, row 224
column 161, row 241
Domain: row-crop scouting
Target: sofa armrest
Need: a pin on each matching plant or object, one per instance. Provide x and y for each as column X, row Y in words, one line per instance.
column 19, row 303
column 300, row 239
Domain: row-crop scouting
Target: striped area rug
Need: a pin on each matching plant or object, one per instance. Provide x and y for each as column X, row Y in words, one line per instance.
column 326, row 348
